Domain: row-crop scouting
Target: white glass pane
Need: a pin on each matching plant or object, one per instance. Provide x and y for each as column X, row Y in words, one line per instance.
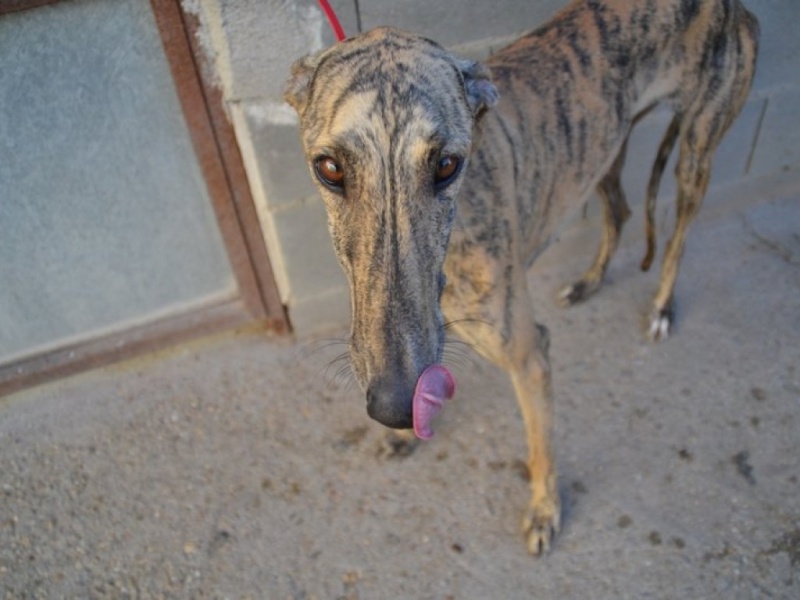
column 105, row 220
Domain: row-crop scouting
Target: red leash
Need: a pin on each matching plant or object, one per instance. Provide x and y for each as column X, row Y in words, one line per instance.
column 333, row 20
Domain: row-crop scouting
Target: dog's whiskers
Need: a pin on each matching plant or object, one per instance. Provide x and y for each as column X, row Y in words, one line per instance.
column 338, row 363
column 315, row 347
column 341, row 362
column 460, row 353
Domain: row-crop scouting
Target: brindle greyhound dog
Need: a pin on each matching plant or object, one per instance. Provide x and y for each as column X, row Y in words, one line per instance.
column 438, row 205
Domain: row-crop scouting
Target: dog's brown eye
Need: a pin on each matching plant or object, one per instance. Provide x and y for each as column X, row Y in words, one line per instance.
column 446, row 170
column 330, row 173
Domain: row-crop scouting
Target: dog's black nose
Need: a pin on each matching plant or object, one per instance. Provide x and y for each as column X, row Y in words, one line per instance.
column 390, row 405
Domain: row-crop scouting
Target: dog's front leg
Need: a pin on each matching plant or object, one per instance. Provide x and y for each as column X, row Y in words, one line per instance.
column 530, row 375
column 489, row 306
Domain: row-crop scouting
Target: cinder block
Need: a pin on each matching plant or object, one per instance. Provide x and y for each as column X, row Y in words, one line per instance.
column 313, row 314
column 779, row 45
column 308, row 260
column 262, row 38
column 454, row 23
column 778, row 145
column 732, row 156
column 348, row 17
column 273, row 140
column 481, row 49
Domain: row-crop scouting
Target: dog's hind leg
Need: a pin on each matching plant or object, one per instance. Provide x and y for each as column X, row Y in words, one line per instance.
column 664, row 150
column 710, row 110
column 700, row 135
column 615, row 213
column 491, row 309
column 693, row 173
column 701, row 132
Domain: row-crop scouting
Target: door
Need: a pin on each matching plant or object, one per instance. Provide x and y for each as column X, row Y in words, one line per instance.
column 126, row 221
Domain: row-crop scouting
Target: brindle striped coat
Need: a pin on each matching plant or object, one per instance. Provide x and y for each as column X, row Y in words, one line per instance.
column 440, row 196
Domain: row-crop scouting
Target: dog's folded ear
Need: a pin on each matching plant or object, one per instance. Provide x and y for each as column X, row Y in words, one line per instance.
column 296, row 89
column 481, row 92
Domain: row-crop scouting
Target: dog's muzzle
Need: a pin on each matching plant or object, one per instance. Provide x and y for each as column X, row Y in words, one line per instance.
column 395, row 407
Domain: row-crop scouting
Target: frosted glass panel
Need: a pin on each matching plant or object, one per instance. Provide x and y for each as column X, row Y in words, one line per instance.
column 105, row 220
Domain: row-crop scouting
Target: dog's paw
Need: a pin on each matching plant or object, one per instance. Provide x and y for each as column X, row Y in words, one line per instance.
column 660, row 324
column 573, row 293
column 540, row 526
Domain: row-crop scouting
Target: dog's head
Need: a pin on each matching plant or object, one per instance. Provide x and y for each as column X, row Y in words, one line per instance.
column 387, row 120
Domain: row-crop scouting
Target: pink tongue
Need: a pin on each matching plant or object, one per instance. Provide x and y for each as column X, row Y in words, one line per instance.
column 434, row 386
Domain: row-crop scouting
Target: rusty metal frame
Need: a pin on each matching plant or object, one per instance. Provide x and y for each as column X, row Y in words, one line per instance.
column 218, row 154
column 10, row 6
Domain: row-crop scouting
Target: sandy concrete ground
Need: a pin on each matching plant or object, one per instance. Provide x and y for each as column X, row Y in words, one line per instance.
column 241, row 467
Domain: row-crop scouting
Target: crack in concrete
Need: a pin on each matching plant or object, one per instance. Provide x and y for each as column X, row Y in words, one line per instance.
column 784, row 253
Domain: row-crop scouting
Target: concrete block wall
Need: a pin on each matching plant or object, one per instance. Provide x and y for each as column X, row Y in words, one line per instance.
column 250, row 45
